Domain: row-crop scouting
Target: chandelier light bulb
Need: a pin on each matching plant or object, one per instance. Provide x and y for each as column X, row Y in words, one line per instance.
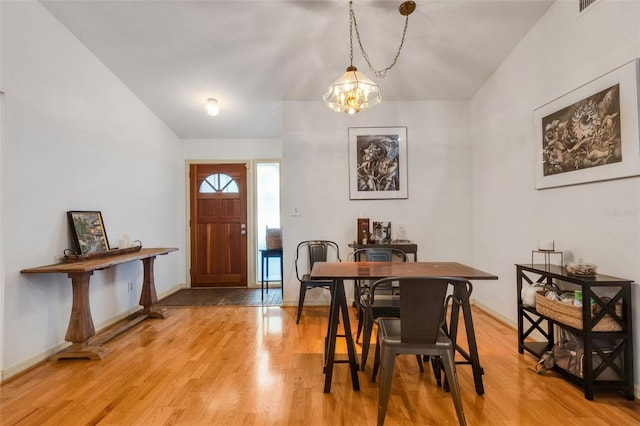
column 212, row 107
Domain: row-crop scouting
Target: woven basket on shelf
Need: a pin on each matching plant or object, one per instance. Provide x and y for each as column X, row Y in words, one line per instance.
column 571, row 315
column 274, row 238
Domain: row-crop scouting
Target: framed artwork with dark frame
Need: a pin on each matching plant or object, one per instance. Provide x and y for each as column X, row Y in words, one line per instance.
column 378, row 163
column 88, row 232
column 591, row 133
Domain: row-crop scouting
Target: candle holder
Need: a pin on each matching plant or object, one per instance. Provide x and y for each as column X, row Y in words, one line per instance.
column 547, row 257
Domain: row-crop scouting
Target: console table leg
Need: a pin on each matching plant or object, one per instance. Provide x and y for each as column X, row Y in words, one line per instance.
column 148, row 296
column 80, row 323
column 81, row 327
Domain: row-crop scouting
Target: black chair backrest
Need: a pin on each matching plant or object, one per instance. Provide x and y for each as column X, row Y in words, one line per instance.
column 423, row 303
column 315, row 251
column 378, row 254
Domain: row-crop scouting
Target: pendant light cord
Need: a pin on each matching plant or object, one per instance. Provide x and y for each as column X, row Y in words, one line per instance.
column 354, row 24
column 352, row 18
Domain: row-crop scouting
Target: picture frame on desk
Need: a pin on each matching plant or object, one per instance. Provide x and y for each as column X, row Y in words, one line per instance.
column 381, row 232
column 378, row 163
column 591, row 133
column 88, row 232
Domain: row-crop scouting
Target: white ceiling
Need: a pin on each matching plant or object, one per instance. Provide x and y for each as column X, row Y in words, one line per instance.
column 251, row 55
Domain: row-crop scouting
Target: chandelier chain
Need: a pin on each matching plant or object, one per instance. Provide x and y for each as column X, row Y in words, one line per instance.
column 354, row 24
column 351, row 20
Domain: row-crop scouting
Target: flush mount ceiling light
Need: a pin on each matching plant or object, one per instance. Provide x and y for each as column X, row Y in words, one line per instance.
column 353, row 92
column 212, row 107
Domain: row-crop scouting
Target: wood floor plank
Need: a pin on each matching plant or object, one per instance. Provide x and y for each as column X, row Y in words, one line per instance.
column 254, row 366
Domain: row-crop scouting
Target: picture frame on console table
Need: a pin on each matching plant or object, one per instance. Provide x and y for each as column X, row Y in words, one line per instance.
column 591, row 133
column 378, row 163
column 88, row 232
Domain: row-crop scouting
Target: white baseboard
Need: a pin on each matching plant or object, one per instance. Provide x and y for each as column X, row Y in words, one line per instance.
column 33, row 361
column 495, row 314
column 294, row 303
column 171, row 291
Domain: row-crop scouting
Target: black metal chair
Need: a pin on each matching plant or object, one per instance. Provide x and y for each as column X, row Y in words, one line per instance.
column 386, row 305
column 307, row 253
column 420, row 330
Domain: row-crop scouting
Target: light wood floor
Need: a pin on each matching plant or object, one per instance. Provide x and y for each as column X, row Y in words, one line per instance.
column 254, row 366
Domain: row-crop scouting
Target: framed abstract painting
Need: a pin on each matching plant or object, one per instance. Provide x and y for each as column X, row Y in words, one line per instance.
column 378, row 163
column 591, row 133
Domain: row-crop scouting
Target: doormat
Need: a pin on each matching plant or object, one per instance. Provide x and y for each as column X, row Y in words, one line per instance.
column 222, row 297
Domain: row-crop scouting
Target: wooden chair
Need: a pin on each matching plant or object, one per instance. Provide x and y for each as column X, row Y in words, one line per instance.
column 307, row 253
column 420, row 330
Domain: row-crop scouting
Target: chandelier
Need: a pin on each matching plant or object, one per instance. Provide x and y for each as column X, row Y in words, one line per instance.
column 353, row 91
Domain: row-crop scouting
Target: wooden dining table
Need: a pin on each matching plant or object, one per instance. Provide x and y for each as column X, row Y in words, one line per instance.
column 340, row 271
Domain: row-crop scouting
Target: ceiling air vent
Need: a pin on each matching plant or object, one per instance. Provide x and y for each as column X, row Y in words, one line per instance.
column 585, row 3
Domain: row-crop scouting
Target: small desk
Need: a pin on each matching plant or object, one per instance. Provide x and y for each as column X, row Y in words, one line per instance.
column 265, row 255
column 340, row 271
column 408, row 248
column 81, row 327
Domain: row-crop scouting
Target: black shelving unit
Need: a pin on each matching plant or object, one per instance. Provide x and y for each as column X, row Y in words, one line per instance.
column 618, row 290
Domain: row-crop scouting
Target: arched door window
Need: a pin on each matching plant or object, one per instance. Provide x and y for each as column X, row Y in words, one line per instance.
column 219, row 182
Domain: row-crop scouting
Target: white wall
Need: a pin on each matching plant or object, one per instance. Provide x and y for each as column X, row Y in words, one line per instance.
column 231, row 149
column 75, row 139
column 559, row 54
column 316, row 181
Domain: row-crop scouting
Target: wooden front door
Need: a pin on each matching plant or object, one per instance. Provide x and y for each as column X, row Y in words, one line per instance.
column 218, row 197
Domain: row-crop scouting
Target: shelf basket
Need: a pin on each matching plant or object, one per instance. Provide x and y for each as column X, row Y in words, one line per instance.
column 273, row 238
column 571, row 315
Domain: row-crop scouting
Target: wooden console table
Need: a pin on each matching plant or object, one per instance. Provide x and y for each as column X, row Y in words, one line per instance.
column 81, row 328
